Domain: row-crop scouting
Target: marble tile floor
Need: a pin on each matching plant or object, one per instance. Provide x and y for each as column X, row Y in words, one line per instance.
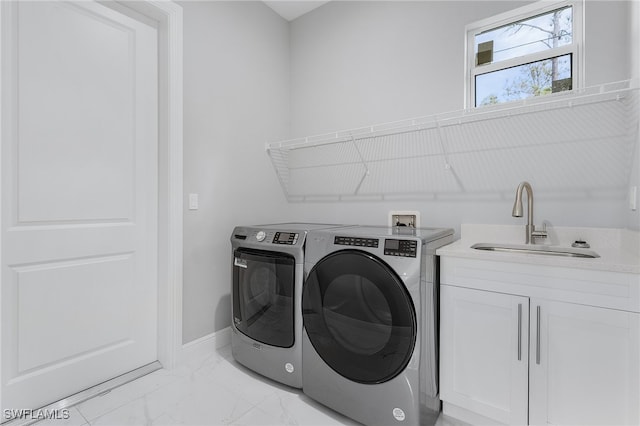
column 210, row 389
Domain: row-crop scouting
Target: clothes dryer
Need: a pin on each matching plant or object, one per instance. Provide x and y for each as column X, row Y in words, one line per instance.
column 266, row 289
column 370, row 318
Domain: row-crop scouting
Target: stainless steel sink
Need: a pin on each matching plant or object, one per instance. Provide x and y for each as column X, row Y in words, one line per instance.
column 537, row 249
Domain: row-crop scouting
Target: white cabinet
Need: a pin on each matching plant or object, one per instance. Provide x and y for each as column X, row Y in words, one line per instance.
column 484, row 353
column 526, row 358
column 584, row 365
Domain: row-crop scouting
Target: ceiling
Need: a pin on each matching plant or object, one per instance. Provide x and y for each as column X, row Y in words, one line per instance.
column 290, row 10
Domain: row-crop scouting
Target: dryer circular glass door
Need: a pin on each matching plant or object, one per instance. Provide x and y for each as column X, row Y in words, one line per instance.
column 359, row 316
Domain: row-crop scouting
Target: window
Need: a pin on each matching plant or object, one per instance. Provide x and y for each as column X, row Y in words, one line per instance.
column 530, row 51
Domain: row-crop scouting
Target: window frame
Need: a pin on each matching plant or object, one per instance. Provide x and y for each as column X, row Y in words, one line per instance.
column 575, row 49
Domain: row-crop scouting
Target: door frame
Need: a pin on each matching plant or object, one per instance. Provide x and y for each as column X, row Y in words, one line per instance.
column 168, row 16
column 170, row 174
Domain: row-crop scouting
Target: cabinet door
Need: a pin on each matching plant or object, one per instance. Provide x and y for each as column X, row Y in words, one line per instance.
column 584, row 365
column 484, row 353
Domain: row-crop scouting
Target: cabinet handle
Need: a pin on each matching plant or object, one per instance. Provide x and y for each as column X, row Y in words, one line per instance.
column 538, row 336
column 519, row 331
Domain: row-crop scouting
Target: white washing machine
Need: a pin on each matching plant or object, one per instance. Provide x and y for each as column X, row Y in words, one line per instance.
column 266, row 289
column 370, row 315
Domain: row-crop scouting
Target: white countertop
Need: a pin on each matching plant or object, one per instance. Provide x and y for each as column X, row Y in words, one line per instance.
column 619, row 249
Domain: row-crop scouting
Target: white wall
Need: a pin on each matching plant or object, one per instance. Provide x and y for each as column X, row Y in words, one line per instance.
column 251, row 77
column 236, row 97
column 356, row 63
column 607, row 41
column 360, row 63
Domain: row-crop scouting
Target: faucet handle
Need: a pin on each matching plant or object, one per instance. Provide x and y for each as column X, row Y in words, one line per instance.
column 539, row 233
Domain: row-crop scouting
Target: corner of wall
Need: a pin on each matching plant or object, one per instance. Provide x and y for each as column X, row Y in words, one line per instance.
column 633, row 217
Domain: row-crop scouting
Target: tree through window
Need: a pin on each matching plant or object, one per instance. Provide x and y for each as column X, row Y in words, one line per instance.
column 524, row 54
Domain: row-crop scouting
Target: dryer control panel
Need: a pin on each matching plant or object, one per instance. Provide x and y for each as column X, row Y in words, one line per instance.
column 356, row 241
column 403, row 248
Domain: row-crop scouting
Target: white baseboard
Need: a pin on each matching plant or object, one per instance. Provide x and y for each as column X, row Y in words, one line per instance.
column 467, row 416
column 205, row 345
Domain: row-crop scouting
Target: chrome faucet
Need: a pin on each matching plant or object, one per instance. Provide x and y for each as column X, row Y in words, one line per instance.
column 530, row 229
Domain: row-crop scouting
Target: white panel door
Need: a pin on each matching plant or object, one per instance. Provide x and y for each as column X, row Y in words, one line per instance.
column 585, row 365
column 79, row 198
column 484, row 353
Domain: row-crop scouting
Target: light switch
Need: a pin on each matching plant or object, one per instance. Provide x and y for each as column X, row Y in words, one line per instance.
column 633, row 198
column 193, row 201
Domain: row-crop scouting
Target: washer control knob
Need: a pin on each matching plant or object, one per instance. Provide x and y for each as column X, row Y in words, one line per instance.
column 261, row 235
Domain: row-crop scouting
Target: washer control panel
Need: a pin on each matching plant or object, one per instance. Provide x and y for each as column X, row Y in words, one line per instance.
column 403, row 248
column 289, row 238
column 355, row 241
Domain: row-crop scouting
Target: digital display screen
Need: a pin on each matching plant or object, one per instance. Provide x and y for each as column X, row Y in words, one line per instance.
column 285, row 237
column 391, row 244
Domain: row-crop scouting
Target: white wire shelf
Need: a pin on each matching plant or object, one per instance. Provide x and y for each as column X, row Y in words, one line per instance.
column 582, row 140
